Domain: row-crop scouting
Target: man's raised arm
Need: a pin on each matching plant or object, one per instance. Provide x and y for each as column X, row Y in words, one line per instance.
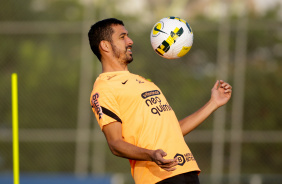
column 220, row 95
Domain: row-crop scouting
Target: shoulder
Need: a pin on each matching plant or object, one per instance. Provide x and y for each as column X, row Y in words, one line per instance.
column 102, row 86
column 110, row 82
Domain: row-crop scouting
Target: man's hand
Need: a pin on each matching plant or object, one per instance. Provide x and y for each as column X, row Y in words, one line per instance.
column 166, row 164
column 221, row 93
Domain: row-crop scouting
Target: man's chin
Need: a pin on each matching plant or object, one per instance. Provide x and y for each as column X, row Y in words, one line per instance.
column 129, row 60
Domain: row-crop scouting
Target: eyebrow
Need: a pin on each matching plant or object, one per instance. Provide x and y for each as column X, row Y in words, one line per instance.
column 122, row 34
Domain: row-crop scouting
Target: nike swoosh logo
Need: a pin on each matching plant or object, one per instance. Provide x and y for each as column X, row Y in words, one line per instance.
column 124, row 82
column 156, row 29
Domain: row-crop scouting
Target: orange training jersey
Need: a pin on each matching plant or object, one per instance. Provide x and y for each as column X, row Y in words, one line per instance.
column 147, row 121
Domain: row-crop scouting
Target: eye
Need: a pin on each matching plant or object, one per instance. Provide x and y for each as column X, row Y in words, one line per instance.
column 122, row 36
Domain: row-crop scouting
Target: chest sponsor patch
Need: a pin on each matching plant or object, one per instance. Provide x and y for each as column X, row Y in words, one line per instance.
column 150, row 93
column 153, row 101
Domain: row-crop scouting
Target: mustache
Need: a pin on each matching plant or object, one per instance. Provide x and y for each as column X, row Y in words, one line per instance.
column 129, row 47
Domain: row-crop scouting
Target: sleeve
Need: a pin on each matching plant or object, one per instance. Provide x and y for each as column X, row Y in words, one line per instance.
column 105, row 106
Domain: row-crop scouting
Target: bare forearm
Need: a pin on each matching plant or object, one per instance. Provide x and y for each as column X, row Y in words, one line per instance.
column 220, row 95
column 126, row 150
column 192, row 121
column 129, row 151
column 119, row 147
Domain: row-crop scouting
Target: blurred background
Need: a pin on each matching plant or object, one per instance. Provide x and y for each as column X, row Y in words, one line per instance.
column 45, row 42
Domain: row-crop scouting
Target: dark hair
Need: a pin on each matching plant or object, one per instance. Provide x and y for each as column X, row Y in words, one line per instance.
column 99, row 31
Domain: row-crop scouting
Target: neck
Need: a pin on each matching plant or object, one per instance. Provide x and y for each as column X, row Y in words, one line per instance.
column 113, row 66
column 114, row 69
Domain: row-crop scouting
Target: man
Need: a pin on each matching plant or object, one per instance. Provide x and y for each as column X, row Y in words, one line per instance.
column 136, row 118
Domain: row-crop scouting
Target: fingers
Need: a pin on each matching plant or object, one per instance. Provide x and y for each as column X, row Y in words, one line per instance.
column 224, row 85
column 216, row 85
column 159, row 154
column 166, row 164
column 163, row 161
column 169, row 165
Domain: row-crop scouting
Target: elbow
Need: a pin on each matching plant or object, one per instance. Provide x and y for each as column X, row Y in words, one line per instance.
column 184, row 130
column 114, row 152
column 113, row 145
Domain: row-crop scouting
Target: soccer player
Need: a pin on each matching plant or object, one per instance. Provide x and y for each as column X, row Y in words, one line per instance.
column 136, row 118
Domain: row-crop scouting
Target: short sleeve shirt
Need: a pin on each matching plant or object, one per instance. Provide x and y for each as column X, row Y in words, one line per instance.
column 147, row 120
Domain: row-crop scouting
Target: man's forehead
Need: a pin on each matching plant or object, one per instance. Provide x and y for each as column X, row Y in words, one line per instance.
column 119, row 29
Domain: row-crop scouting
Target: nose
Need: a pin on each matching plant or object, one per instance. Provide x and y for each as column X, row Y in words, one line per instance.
column 129, row 41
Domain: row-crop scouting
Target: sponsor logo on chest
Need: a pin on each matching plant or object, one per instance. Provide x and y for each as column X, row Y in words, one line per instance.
column 153, row 101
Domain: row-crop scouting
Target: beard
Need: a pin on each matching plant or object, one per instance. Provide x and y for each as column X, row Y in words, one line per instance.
column 125, row 58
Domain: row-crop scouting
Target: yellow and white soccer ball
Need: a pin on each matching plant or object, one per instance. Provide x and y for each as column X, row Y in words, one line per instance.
column 172, row 37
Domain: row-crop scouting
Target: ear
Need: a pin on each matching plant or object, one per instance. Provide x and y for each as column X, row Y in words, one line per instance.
column 105, row 46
